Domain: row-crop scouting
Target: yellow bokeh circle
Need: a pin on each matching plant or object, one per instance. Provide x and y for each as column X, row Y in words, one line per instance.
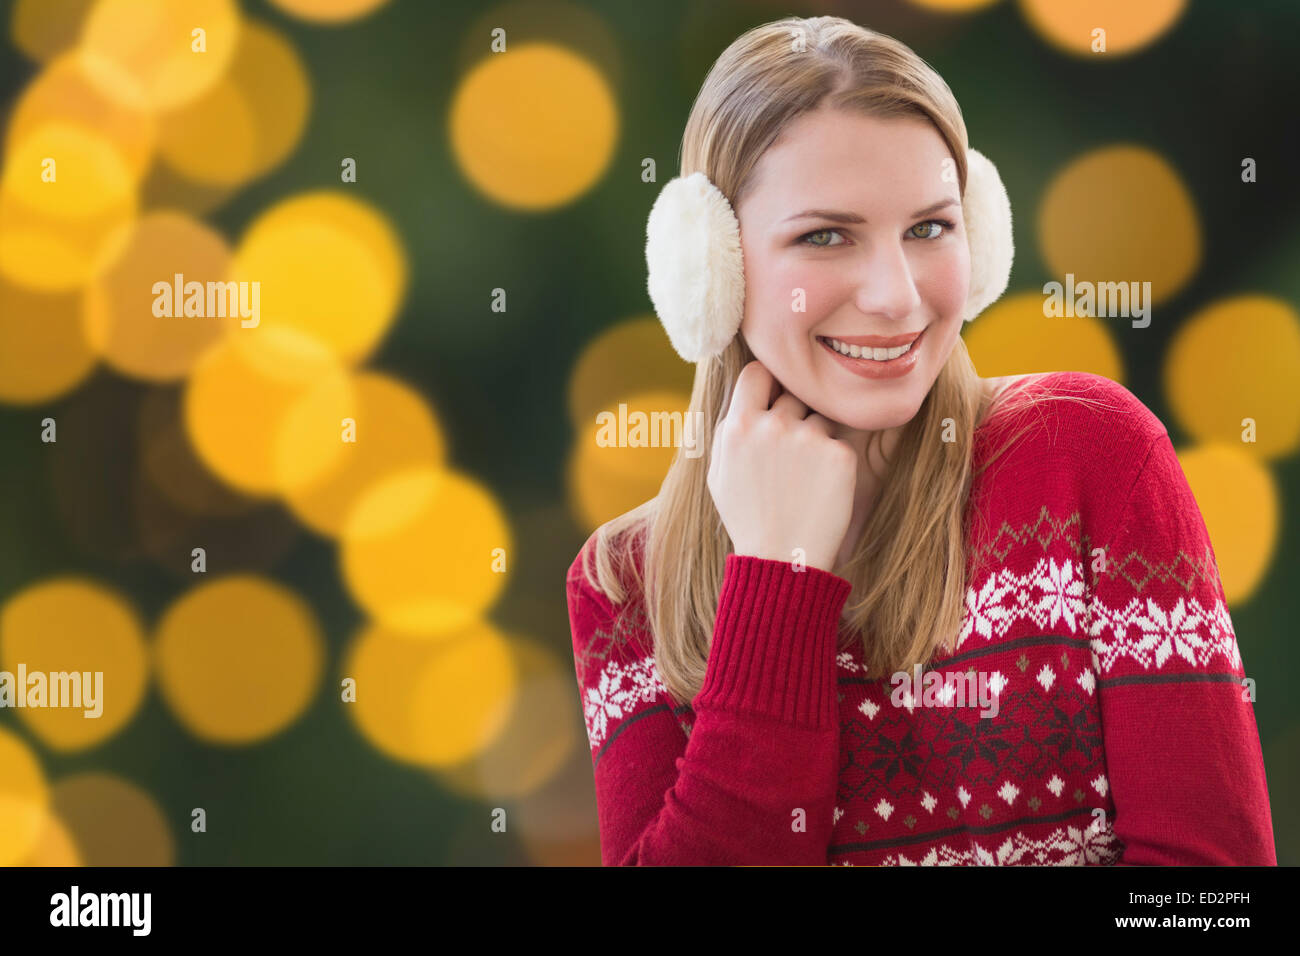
column 42, row 29
column 954, row 6
column 239, row 394
column 329, row 266
column 329, row 11
column 238, row 659
column 113, row 822
column 1068, row 24
column 1239, row 501
column 1014, row 337
column 539, row 735
column 426, row 550
column 535, row 127
column 76, row 627
column 343, row 436
column 64, row 92
column 24, row 799
column 89, row 175
column 149, row 51
column 62, row 224
column 40, row 360
column 431, row 702
column 606, row 478
column 122, row 305
column 1121, row 214
column 1234, row 360
column 55, row 846
column 238, row 129
column 632, row 356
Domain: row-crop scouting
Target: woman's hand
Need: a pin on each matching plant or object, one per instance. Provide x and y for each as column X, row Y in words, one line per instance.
column 778, row 478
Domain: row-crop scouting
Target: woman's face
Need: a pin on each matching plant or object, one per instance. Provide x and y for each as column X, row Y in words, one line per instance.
column 874, row 264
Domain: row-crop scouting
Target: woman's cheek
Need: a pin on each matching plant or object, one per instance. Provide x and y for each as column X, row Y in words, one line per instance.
column 768, row 315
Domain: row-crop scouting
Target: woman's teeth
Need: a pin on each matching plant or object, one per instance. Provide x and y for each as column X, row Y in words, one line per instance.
column 877, row 355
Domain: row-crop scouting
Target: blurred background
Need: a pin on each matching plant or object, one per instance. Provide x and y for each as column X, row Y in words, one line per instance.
column 326, row 643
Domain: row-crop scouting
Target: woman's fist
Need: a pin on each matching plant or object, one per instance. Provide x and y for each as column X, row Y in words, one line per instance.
column 778, row 478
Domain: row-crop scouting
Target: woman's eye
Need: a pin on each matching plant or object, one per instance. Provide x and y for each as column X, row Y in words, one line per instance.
column 806, row 238
column 930, row 226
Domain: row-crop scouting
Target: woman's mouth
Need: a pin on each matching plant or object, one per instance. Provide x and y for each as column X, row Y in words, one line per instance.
column 895, row 356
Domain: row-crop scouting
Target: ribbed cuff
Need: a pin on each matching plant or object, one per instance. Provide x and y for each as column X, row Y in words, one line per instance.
column 774, row 640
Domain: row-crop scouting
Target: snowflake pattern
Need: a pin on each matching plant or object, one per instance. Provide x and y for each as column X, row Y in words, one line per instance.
column 616, row 693
column 1064, row 846
column 1052, row 594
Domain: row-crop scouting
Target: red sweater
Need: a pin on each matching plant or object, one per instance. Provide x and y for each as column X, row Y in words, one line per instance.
column 1120, row 736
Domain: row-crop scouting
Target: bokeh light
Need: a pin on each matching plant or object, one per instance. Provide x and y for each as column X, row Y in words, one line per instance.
column 239, row 393
column 44, row 28
column 1013, row 337
column 1235, row 359
column 78, row 627
column 55, row 845
column 147, row 50
column 604, row 482
column 1238, row 499
column 238, row 659
column 65, row 92
column 329, row 11
column 1120, row 214
column 113, row 822
column 55, row 235
column 391, row 429
column 24, row 798
column 631, row 356
column 121, row 305
column 538, row 736
column 43, row 347
column 168, row 461
column 1068, row 24
column 431, row 701
column 534, row 127
column 329, row 266
column 418, row 550
column 249, row 121
column 955, row 6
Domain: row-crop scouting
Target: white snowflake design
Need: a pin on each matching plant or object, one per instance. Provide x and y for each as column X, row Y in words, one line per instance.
column 616, row 693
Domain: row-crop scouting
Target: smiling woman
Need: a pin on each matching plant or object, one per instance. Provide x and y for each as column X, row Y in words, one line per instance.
column 737, row 638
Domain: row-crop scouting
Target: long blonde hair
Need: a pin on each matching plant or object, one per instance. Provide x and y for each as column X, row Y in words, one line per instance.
column 908, row 570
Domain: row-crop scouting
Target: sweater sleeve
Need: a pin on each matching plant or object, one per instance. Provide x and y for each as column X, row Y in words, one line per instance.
column 755, row 782
column 1182, row 748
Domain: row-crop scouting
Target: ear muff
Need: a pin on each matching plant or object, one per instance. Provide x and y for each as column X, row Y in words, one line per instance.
column 696, row 276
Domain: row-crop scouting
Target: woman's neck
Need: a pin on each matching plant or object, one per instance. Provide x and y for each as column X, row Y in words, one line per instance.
column 870, row 479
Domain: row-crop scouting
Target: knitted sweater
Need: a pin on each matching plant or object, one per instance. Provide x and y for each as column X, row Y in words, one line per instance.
column 1122, row 734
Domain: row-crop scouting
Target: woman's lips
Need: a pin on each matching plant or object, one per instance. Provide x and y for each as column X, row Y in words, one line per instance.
column 870, row 368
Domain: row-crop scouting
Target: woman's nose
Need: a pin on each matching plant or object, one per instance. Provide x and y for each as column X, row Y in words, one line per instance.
column 886, row 287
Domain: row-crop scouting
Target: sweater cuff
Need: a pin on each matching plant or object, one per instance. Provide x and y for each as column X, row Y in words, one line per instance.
column 774, row 641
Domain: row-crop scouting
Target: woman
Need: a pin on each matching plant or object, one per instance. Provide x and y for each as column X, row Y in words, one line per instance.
column 750, row 644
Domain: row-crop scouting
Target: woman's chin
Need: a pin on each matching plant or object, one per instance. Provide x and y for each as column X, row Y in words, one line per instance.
column 883, row 416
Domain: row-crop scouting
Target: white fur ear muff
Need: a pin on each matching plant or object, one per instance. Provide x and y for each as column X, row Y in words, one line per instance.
column 696, row 270
column 696, row 276
column 987, row 211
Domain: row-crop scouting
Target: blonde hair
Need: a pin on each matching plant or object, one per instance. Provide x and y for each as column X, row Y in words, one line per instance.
column 908, row 569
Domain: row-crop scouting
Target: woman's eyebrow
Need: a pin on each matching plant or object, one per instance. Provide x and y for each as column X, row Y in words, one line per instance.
column 852, row 217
